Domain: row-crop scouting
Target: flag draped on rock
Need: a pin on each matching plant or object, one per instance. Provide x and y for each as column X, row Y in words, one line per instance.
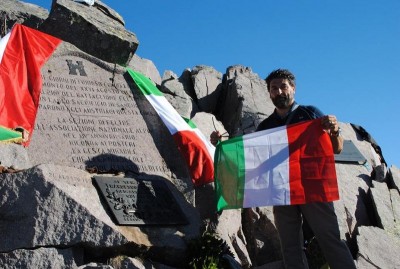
column 23, row 51
column 10, row 136
column 194, row 146
column 288, row 165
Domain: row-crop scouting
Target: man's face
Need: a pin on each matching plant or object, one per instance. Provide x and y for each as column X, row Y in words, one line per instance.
column 281, row 93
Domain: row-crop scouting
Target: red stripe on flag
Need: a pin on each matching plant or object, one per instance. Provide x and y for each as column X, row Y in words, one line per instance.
column 312, row 165
column 26, row 51
column 196, row 155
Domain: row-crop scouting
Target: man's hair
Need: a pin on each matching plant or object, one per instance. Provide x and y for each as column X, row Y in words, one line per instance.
column 281, row 73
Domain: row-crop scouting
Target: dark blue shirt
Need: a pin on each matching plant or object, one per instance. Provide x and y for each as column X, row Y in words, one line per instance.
column 297, row 113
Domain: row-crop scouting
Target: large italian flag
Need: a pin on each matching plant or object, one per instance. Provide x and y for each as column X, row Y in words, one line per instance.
column 23, row 51
column 288, row 165
column 194, row 146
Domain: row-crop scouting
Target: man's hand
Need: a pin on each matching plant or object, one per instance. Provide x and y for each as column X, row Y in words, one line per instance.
column 331, row 126
column 215, row 137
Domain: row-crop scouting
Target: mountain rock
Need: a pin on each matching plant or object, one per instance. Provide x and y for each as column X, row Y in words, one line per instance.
column 41, row 258
column 97, row 30
column 244, row 100
column 371, row 253
column 206, row 86
column 177, row 90
column 12, row 12
column 94, row 123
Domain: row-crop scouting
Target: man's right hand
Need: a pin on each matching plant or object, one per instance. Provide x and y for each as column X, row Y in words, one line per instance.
column 215, row 137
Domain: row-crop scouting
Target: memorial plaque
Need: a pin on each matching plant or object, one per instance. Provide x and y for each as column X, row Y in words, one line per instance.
column 88, row 117
column 140, row 202
column 350, row 153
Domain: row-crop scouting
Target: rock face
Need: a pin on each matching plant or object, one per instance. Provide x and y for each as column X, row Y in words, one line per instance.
column 92, row 121
column 244, row 101
column 97, row 30
column 12, row 12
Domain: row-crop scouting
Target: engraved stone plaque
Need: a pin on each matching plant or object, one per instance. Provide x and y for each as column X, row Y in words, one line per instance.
column 350, row 153
column 89, row 117
column 140, row 202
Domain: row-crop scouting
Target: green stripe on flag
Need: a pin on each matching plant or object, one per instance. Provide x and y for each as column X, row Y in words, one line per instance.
column 144, row 84
column 229, row 173
column 8, row 135
column 190, row 123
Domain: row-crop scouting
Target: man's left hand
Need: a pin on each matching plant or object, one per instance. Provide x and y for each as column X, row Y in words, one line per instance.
column 330, row 124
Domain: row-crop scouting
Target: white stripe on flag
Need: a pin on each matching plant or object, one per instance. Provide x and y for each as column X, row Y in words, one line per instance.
column 168, row 114
column 267, row 168
column 3, row 45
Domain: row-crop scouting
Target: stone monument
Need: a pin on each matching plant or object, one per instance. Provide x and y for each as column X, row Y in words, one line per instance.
column 95, row 134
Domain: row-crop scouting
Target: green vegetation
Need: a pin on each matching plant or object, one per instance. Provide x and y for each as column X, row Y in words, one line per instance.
column 207, row 251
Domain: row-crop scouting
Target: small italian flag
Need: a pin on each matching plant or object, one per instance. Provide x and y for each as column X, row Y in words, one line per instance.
column 23, row 52
column 194, row 146
column 10, row 136
column 288, row 165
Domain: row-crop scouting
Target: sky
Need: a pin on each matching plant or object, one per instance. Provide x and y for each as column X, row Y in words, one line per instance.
column 345, row 54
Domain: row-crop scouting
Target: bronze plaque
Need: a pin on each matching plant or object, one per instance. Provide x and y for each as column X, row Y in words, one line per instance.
column 140, row 201
column 350, row 154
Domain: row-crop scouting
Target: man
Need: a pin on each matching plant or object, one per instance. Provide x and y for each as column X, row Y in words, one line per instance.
column 320, row 216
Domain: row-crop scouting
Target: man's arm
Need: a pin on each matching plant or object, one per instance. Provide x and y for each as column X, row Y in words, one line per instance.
column 337, row 142
column 331, row 126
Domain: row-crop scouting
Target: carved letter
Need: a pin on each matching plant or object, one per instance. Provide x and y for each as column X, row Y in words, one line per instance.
column 73, row 67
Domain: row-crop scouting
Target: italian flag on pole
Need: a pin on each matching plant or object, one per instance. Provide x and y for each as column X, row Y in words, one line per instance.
column 193, row 145
column 288, row 165
column 23, row 51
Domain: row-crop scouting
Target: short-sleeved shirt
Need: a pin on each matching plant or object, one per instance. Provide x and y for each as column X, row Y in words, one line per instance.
column 297, row 113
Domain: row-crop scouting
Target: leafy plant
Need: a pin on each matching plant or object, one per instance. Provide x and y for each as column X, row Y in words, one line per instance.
column 206, row 252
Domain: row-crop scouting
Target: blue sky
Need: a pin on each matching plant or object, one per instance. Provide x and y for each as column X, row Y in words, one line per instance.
column 345, row 54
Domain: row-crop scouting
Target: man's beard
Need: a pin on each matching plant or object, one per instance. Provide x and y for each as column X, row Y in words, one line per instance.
column 282, row 102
